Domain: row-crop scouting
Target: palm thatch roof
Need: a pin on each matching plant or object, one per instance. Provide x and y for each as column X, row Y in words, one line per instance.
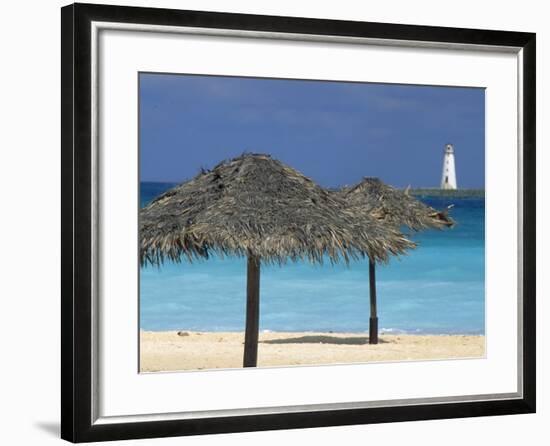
column 254, row 205
column 373, row 197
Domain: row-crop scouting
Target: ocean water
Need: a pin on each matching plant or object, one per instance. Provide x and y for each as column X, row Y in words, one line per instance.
column 437, row 288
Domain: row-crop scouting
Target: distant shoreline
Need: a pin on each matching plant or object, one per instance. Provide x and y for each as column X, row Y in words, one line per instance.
column 418, row 191
column 455, row 193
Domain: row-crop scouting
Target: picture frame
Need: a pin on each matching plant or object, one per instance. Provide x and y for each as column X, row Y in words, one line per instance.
column 81, row 166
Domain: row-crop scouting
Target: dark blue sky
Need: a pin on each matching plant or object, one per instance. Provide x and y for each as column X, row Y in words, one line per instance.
column 333, row 132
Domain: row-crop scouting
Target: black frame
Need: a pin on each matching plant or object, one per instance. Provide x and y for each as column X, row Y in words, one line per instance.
column 76, row 223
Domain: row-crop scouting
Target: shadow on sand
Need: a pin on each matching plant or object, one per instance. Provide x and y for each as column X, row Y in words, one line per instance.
column 322, row 339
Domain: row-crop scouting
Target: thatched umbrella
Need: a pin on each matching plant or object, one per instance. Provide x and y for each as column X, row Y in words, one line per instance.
column 373, row 198
column 257, row 207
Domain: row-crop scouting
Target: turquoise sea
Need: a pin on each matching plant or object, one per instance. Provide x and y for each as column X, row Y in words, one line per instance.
column 436, row 288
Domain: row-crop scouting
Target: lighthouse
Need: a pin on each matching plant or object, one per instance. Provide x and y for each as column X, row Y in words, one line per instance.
column 448, row 177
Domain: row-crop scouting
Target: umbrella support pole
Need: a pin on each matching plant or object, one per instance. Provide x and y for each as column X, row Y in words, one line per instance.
column 373, row 321
column 252, row 312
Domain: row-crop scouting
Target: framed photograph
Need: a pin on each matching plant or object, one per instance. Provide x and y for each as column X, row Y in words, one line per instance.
column 280, row 222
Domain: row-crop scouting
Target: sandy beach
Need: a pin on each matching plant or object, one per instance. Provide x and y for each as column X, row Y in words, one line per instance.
column 187, row 350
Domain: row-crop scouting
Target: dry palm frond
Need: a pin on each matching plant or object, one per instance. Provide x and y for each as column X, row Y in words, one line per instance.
column 254, row 205
column 373, row 197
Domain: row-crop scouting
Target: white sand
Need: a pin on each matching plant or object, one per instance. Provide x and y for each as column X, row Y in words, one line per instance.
column 166, row 351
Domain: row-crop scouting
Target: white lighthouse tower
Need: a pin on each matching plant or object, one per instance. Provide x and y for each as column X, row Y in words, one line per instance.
column 448, row 177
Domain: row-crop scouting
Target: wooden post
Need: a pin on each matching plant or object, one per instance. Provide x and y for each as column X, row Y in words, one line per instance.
column 373, row 322
column 252, row 312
